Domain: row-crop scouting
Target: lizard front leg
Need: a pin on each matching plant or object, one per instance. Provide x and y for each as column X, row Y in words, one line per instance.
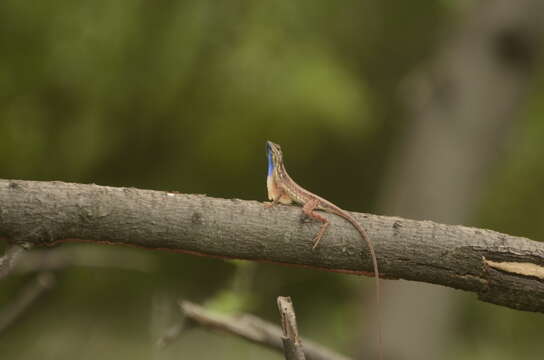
column 309, row 210
column 276, row 193
column 280, row 198
column 269, row 204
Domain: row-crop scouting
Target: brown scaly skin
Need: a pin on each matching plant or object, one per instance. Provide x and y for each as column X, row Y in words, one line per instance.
column 282, row 189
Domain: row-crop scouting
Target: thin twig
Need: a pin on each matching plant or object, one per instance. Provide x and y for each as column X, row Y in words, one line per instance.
column 253, row 329
column 28, row 296
column 10, row 258
column 164, row 313
column 172, row 334
column 292, row 345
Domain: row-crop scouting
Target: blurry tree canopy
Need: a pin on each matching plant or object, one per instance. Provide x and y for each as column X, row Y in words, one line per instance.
column 181, row 96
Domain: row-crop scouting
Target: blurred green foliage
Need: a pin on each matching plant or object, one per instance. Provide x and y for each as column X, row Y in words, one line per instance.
column 181, row 95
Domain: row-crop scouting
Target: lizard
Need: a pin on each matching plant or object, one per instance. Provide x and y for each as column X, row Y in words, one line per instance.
column 284, row 190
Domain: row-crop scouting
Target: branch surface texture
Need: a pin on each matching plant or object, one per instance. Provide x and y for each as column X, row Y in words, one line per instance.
column 501, row 269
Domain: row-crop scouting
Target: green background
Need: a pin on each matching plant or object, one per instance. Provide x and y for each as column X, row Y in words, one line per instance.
column 182, row 95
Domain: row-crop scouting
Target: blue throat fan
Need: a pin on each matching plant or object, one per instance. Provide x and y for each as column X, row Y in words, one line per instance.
column 270, row 162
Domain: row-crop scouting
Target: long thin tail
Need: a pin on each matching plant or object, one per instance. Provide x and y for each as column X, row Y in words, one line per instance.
column 365, row 238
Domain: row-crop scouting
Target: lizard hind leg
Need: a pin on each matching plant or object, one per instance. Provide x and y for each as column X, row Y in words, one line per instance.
column 309, row 210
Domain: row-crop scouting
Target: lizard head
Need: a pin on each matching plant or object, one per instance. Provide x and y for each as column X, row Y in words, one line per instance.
column 274, row 155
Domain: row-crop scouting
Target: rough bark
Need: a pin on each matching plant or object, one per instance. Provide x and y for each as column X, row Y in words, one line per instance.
column 500, row 268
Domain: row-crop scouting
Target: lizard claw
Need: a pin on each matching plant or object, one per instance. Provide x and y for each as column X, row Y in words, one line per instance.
column 316, row 242
column 269, row 204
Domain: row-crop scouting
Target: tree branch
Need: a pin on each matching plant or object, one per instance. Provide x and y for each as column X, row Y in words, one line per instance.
column 499, row 268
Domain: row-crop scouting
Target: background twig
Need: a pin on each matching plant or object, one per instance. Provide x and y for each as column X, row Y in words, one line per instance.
column 27, row 297
column 9, row 259
column 253, row 329
column 292, row 345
